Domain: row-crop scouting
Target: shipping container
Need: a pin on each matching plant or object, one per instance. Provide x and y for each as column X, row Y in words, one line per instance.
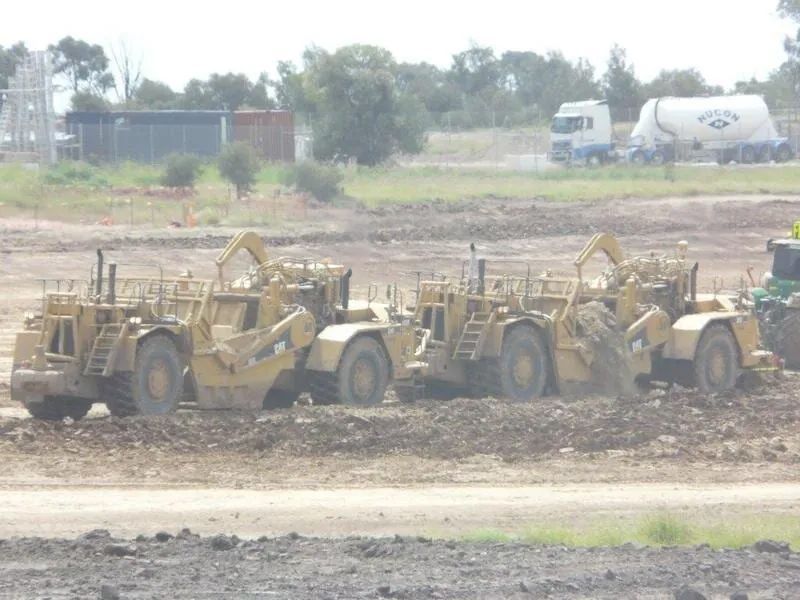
column 147, row 136
column 271, row 132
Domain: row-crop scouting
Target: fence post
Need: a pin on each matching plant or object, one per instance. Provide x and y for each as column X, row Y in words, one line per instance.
column 152, row 152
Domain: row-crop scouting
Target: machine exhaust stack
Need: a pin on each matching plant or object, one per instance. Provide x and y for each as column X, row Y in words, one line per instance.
column 112, row 283
column 99, row 282
column 346, row 288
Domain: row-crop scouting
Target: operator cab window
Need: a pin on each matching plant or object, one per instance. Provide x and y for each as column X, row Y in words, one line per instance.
column 786, row 263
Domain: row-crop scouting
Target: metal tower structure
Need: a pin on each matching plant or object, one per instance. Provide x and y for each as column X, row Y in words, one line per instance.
column 27, row 118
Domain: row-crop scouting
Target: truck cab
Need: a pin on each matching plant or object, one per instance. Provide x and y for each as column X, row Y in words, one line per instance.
column 581, row 132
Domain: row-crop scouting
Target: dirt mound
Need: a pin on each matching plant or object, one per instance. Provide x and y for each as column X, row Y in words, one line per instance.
column 597, row 328
column 187, row 566
column 680, row 424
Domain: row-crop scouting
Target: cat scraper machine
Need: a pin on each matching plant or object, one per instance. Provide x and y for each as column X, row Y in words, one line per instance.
column 669, row 332
column 144, row 345
column 519, row 336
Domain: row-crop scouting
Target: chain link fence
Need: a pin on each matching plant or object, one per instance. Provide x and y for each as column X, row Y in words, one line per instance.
column 120, row 141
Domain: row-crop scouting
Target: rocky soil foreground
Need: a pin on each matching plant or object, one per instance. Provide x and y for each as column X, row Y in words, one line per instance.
column 742, row 426
column 188, row 566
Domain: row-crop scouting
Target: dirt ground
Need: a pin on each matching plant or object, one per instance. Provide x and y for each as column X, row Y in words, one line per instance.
column 179, row 566
column 678, row 439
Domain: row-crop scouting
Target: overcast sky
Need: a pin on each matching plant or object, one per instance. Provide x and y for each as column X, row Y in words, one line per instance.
column 727, row 40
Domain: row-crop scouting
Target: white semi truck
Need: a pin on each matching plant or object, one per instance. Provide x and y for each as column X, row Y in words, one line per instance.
column 724, row 128
column 581, row 132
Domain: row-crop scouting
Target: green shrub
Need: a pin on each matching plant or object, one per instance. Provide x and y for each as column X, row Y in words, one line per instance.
column 181, row 170
column 665, row 530
column 239, row 164
column 321, row 181
column 74, row 173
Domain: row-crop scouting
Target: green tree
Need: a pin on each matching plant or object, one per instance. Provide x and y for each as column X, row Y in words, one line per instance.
column 88, row 101
column 196, row 95
column 9, row 59
column 229, row 91
column 680, row 82
column 545, row 82
column 429, row 85
column 475, row 69
column 259, row 97
column 83, row 65
column 290, row 91
column 181, row 170
column 239, row 164
column 789, row 9
column 155, row 95
column 321, row 181
column 356, row 108
column 621, row 87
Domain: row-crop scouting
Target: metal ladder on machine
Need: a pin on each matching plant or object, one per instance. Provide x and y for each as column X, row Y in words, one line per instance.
column 105, row 348
column 473, row 336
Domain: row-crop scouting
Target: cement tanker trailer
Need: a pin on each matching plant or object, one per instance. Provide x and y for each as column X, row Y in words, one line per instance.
column 721, row 128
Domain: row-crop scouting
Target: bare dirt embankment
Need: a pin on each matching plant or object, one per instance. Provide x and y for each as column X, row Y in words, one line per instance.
column 673, row 427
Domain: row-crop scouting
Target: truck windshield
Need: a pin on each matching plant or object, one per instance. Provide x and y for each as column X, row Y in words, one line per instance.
column 565, row 124
column 786, row 264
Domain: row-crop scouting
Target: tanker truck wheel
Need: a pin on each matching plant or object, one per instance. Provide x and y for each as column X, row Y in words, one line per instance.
column 784, row 153
column 360, row 379
column 765, row 154
column 56, row 408
column 155, row 386
column 748, row 155
column 520, row 374
column 716, row 361
column 657, row 158
column 638, row 158
column 787, row 339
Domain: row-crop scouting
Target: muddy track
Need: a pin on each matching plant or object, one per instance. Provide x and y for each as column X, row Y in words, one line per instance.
column 189, row 566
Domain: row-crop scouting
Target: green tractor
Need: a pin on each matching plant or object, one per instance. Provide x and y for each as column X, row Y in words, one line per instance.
column 777, row 301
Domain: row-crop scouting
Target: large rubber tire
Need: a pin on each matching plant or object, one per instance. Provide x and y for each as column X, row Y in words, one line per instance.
column 155, row 387
column 787, row 338
column 56, row 408
column 716, row 362
column 783, row 153
column 520, row 373
column 764, row 154
column 638, row 158
column 657, row 158
column 594, row 161
column 360, row 379
column 748, row 155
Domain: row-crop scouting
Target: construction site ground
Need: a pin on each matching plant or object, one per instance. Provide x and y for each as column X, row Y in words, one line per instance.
column 439, row 469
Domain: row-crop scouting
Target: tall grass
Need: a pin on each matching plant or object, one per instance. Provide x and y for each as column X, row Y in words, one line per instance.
column 657, row 529
column 409, row 185
column 79, row 191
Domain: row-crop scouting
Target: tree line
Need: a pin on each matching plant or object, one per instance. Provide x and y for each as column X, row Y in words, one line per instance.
column 364, row 104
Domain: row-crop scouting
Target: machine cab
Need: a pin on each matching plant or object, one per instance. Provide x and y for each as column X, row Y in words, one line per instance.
column 581, row 131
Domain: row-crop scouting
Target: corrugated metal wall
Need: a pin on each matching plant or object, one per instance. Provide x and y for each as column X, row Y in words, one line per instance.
column 149, row 136
column 271, row 132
